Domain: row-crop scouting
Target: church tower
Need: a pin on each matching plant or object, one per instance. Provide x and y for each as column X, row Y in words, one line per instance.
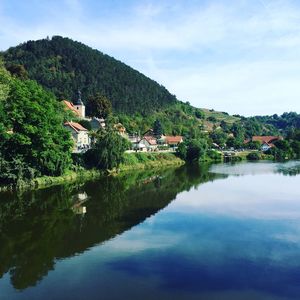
column 79, row 106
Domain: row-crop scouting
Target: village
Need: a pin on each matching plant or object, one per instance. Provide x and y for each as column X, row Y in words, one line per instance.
column 147, row 141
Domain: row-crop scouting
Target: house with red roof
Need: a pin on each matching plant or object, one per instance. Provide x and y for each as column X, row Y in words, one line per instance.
column 80, row 136
column 150, row 142
column 171, row 141
column 267, row 141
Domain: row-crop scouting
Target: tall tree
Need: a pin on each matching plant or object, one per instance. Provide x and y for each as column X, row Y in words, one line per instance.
column 157, row 128
column 107, row 151
column 99, row 106
column 36, row 135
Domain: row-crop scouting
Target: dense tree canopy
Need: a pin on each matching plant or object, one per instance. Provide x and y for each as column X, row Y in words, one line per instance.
column 98, row 106
column 64, row 66
column 107, row 151
column 33, row 140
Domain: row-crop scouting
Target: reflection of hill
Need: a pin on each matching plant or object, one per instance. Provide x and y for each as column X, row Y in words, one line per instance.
column 41, row 226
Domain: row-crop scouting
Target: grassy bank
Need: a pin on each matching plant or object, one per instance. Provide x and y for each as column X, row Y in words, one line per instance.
column 133, row 161
column 142, row 160
column 46, row 181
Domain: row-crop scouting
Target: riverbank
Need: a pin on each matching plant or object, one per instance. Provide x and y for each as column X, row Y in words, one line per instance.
column 132, row 161
column 140, row 160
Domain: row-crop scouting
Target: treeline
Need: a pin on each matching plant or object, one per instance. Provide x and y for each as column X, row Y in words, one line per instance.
column 64, row 66
column 286, row 122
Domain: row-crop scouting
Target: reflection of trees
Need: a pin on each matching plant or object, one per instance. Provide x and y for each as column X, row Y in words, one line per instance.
column 290, row 171
column 39, row 227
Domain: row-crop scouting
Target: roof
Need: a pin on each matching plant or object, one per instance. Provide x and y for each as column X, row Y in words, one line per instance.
column 268, row 144
column 173, row 139
column 151, row 140
column 76, row 126
column 70, row 106
column 266, row 139
column 78, row 101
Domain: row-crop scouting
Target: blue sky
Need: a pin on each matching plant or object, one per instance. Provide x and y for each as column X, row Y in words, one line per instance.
column 239, row 56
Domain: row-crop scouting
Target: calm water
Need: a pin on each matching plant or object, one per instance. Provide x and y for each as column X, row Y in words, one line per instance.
column 210, row 232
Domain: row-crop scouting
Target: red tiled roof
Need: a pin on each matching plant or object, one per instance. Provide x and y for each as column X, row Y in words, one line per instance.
column 173, row 139
column 70, row 106
column 266, row 139
column 151, row 140
column 76, row 126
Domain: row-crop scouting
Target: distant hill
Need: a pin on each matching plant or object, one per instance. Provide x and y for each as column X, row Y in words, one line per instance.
column 65, row 66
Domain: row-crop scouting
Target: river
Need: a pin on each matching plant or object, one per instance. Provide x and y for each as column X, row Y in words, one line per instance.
column 223, row 231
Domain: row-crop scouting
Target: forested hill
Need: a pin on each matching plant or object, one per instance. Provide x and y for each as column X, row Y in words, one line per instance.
column 65, row 66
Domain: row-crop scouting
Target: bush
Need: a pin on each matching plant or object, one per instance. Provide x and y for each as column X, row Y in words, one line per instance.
column 253, row 156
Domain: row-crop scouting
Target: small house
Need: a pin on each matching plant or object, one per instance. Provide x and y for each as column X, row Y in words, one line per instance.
column 173, row 141
column 150, row 142
column 80, row 136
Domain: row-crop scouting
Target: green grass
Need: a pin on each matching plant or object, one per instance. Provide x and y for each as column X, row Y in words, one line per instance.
column 142, row 160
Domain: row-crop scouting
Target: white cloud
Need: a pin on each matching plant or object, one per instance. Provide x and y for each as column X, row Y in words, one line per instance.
column 236, row 56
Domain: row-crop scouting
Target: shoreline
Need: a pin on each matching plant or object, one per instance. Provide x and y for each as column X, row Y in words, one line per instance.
column 133, row 161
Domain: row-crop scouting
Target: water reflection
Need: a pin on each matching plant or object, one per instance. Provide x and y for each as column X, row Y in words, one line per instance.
column 39, row 227
column 289, row 168
column 235, row 238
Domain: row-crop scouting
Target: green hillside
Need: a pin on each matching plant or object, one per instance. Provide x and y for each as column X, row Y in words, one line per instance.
column 65, row 66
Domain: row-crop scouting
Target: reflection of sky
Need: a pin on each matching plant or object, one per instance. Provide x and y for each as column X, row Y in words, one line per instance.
column 237, row 238
column 254, row 168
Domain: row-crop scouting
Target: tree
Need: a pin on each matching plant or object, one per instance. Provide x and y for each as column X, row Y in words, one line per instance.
column 108, row 150
column 99, row 106
column 253, row 156
column 33, row 131
column 219, row 137
column 5, row 79
column 157, row 128
column 17, row 70
column 199, row 114
column 255, row 145
column 182, row 150
column 196, row 150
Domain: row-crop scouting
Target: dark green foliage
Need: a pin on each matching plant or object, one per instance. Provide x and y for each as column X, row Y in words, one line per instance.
column 253, row 156
column 193, row 150
column 157, row 128
column 86, row 124
column 212, row 119
column 64, row 66
column 182, row 150
column 295, row 145
column 32, row 139
column 282, row 150
column 108, row 151
column 219, row 137
column 285, row 122
column 98, row 106
column 17, row 71
column 199, row 114
column 255, row 145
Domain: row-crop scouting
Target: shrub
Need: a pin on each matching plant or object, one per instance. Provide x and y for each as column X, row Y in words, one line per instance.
column 253, row 156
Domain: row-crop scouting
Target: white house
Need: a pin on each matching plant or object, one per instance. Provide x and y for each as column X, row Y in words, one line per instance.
column 265, row 147
column 80, row 135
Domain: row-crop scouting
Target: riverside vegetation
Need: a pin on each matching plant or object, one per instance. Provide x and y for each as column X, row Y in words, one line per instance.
column 36, row 75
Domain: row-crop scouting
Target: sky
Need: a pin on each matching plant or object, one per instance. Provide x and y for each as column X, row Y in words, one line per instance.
column 238, row 56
